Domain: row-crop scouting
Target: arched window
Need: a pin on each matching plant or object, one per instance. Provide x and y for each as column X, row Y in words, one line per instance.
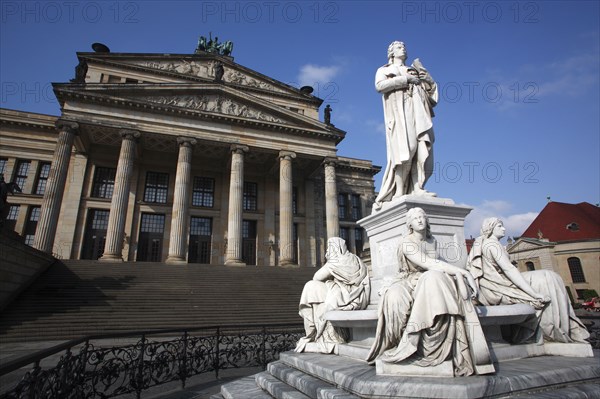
column 576, row 270
column 530, row 267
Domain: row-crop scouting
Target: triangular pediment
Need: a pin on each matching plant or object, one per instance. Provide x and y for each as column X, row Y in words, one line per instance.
column 212, row 101
column 524, row 244
column 174, row 68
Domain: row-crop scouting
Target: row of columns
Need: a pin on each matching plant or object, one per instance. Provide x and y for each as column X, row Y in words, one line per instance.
column 47, row 225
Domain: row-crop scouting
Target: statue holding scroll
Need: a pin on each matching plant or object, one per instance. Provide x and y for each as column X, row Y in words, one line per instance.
column 409, row 95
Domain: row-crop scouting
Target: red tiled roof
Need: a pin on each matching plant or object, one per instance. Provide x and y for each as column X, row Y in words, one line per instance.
column 556, row 216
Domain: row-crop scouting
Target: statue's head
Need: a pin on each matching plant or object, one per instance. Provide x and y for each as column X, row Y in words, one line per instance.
column 396, row 49
column 488, row 226
column 412, row 214
column 335, row 246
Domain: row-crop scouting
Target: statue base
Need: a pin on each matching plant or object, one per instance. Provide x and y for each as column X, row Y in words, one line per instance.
column 385, row 226
column 315, row 375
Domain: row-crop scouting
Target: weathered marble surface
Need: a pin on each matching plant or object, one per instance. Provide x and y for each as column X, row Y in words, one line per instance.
column 501, row 283
column 409, row 95
column 425, row 316
column 524, row 375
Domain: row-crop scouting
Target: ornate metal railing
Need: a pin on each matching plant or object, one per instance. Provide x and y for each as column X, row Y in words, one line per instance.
column 88, row 369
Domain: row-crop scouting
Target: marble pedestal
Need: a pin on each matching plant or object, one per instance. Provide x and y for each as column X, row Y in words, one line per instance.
column 318, row 376
column 385, row 227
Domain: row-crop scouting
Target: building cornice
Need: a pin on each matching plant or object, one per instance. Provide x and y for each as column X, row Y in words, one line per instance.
column 109, row 60
column 63, row 93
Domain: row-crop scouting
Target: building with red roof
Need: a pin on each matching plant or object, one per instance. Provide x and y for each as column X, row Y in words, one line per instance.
column 564, row 238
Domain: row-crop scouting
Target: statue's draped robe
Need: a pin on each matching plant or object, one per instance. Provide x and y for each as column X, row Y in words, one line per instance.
column 421, row 317
column 556, row 320
column 348, row 289
column 408, row 116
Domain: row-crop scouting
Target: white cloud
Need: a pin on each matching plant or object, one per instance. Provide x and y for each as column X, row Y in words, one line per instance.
column 311, row 75
column 515, row 223
column 529, row 83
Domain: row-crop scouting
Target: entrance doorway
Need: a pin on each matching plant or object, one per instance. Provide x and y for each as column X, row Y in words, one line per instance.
column 200, row 240
column 151, row 238
column 249, row 242
column 95, row 234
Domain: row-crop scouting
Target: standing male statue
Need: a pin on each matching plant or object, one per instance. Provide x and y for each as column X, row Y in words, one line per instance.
column 409, row 95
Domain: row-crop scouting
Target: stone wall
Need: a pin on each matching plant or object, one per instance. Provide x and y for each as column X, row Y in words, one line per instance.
column 20, row 266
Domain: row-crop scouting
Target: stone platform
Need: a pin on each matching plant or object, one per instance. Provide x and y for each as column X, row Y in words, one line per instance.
column 317, row 376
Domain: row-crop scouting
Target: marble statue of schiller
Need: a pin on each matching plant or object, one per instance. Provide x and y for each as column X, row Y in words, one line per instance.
column 409, row 95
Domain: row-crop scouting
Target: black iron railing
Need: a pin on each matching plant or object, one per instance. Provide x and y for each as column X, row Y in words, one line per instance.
column 88, row 369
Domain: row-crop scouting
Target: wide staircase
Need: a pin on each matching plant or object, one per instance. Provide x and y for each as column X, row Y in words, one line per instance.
column 76, row 298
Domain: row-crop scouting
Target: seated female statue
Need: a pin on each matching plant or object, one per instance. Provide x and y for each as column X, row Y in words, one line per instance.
column 341, row 284
column 425, row 315
column 501, row 283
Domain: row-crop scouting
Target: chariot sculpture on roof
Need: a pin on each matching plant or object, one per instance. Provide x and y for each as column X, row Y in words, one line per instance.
column 213, row 46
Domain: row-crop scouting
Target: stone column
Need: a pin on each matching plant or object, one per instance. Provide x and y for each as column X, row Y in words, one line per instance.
column 181, row 201
column 55, row 187
column 286, row 216
column 233, row 255
column 113, row 249
column 331, row 205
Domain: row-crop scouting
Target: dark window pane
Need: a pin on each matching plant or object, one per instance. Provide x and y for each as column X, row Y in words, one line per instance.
column 356, row 207
column 250, row 196
column 104, row 182
column 157, row 185
column 204, row 192
column 576, row 270
column 342, row 209
column 44, row 172
column 22, row 172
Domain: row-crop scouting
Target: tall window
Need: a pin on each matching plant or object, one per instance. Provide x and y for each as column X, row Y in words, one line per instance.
column 250, row 196
column 157, row 185
column 356, row 207
column 104, row 182
column 530, row 267
column 576, row 270
column 31, row 226
column 342, row 207
column 358, row 240
column 11, row 218
column 204, row 192
column 42, row 179
column 22, row 171
column 345, row 234
column 3, row 162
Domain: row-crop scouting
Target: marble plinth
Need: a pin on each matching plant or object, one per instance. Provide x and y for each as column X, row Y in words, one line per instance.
column 385, row 227
column 319, row 376
column 444, row 370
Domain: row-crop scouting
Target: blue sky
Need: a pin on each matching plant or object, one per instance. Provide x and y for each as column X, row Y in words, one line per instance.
column 519, row 114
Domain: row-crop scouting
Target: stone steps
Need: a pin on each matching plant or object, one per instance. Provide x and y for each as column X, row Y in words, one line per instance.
column 317, row 376
column 76, row 298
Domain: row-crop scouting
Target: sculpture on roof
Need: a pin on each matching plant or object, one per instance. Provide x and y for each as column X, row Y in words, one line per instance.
column 213, row 46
